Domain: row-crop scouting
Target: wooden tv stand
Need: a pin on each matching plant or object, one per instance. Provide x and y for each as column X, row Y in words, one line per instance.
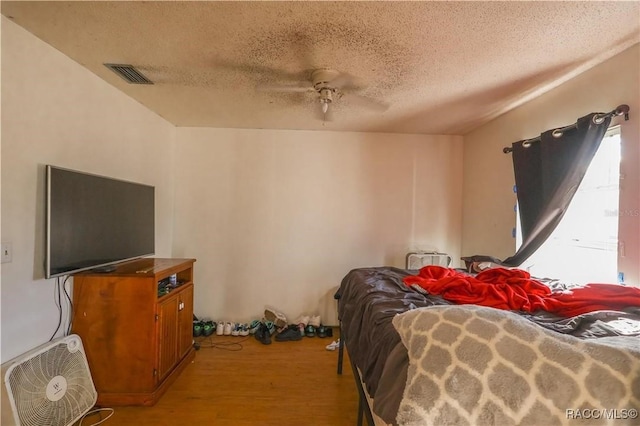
column 137, row 342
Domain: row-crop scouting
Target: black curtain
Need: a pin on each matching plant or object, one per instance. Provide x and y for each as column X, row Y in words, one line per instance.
column 548, row 172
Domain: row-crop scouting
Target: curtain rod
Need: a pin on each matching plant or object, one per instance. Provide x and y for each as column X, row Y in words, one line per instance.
column 598, row 118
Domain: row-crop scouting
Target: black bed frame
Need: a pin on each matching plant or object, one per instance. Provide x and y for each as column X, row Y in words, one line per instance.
column 363, row 406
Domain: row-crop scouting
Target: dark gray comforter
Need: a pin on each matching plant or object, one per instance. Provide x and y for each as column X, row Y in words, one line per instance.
column 369, row 299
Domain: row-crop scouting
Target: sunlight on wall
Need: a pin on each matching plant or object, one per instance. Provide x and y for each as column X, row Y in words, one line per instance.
column 584, row 247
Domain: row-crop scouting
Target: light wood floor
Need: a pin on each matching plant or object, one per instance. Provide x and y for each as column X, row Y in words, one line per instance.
column 284, row 384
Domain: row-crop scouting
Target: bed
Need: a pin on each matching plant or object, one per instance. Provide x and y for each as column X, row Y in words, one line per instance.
column 419, row 359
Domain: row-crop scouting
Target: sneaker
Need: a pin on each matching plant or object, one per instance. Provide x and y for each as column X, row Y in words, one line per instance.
column 235, row 331
column 259, row 332
column 244, row 330
column 208, row 328
column 276, row 317
column 314, row 321
column 220, row 328
column 253, row 327
column 289, row 334
column 302, row 319
column 227, row 328
column 333, row 345
column 262, row 335
column 197, row 329
column 271, row 327
column 310, row 331
column 321, row 331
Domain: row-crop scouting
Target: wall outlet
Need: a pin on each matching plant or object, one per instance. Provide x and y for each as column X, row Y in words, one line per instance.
column 7, row 253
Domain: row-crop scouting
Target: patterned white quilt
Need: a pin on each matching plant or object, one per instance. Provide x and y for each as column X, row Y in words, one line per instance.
column 472, row 365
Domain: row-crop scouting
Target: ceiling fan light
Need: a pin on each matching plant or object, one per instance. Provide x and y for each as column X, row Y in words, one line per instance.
column 325, row 96
column 325, row 107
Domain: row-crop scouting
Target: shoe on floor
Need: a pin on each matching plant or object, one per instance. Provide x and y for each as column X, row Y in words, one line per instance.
column 290, row 333
column 333, row 345
column 253, row 326
column 263, row 335
column 315, row 321
column 197, row 329
column 275, row 317
column 220, row 328
column 302, row 319
column 228, row 327
column 271, row 327
column 235, row 331
column 321, row 331
column 310, row 331
column 208, row 327
column 244, row 330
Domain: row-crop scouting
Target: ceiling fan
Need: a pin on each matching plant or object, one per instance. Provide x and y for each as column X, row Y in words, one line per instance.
column 330, row 85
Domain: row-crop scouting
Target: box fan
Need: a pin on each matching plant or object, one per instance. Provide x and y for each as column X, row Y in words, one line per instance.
column 418, row 259
column 49, row 385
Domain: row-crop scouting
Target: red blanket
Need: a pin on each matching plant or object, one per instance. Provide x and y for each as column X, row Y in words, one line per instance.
column 514, row 289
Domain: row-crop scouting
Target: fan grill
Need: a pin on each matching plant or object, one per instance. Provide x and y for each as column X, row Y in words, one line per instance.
column 27, row 385
column 417, row 260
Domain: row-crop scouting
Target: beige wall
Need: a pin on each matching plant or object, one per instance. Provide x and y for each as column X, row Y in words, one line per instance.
column 272, row 217
column 277, row 218
column 56, row 112
column 488, row 175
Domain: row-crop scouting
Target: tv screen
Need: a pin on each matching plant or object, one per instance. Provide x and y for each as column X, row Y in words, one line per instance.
column 95, row 221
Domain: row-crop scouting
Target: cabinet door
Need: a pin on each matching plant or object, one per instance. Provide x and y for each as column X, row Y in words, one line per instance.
column 185, row 321
column 168, row 336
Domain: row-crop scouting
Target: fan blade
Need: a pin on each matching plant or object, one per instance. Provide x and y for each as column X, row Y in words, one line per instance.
column 302, row 48
column 299, row 87
column 363, row 101
column 258, row 70
column 346, row 81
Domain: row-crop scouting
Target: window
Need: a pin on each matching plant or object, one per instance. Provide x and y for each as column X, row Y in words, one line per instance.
column 584, row 247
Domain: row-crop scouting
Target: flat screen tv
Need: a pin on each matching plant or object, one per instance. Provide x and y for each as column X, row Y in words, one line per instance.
column 94, row 222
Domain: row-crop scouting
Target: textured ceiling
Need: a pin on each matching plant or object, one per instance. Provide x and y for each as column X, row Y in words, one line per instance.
column 442, row 67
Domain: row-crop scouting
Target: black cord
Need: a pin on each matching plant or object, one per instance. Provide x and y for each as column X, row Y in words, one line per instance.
column 64, row 287
column 57, row 300
column 228, row 345
column 58, row 289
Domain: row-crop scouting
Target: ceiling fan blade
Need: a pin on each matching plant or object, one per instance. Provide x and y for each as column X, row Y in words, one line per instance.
column 258, row 70
column 297, row 87
column 346, row 81
column 302, row 48
column 366, row 102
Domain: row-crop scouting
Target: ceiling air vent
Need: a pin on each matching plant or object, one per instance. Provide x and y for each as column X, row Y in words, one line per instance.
column 129, row 73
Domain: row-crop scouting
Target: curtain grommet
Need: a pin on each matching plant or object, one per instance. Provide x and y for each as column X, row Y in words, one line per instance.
column 557, row 133
column 526, row 144
column 597, row 119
